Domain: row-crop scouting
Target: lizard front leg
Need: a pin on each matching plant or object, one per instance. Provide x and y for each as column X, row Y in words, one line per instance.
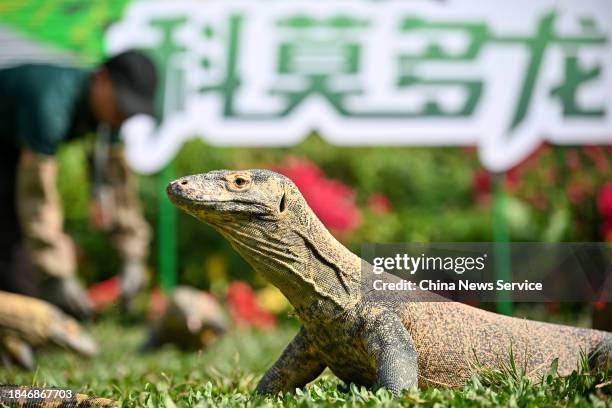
column 297, row 366
column 391, row 348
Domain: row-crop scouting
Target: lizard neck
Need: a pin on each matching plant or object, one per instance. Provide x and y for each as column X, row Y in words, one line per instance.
column 300, row 257
column 328, row 269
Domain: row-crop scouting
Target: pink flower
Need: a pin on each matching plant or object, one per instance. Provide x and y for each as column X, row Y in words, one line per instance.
column 332, row 201
column 379, row 203
column 604, row 201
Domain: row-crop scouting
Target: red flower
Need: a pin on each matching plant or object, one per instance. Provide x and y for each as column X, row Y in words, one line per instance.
column 576, row 192
column 572, row 158
column 606, row 230
column 103, row 293
column 539, row 201
column 481, row 182
column 158, row 304
column 598, row 156
column 552, row 307
column 512, row 179
column 331, row 200
column 600, row 305
column 551, row 175
column 244, row 309
column 470, row 150
column 591, row 151
column 602, row 164
column 379, row 203
column 604, row 200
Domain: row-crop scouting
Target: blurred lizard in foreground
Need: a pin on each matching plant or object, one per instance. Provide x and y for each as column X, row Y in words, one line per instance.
column 27, row 323
column 191, row 320
column 398, row 341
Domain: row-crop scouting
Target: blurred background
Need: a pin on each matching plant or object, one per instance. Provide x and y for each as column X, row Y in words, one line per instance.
column 363, row 194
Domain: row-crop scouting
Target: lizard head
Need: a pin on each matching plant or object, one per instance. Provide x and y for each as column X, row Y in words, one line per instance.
column 235, row 198
column 266, row 219
column 254, row 209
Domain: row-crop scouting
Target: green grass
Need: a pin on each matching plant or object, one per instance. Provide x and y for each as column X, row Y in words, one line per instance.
column 226, row 375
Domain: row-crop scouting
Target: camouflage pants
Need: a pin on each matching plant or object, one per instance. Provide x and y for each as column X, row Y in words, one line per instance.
column 16, row 270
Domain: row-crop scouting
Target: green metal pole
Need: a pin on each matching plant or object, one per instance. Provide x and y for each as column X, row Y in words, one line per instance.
column 167, row 232
column 167, row 255
column 501, row 236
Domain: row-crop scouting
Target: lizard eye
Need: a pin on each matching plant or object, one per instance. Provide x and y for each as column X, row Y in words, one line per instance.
column 240, row 182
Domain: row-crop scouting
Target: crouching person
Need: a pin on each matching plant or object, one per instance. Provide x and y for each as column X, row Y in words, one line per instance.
column 42, row 107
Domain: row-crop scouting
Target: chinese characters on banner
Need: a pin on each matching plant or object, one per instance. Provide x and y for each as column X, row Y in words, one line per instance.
column 501, row 75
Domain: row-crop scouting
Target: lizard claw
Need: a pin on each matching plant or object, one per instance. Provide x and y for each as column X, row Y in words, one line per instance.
column 16, row 351
column 27, row 322
column 67, row 333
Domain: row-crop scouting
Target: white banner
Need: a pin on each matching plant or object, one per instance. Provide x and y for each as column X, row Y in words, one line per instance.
column 503, row 75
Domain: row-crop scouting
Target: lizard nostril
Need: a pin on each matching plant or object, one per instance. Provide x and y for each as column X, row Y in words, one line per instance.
column 184, row 183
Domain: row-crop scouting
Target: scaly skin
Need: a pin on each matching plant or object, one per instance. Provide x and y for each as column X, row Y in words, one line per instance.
column 397, row 342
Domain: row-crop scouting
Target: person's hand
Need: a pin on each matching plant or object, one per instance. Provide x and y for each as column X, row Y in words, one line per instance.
column 131, row 280
column 69, row 295
column 27, row 323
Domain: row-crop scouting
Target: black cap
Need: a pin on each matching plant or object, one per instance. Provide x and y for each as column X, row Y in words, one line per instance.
column 134, row 80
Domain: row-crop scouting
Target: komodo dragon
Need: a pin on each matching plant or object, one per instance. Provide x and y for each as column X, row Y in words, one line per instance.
column 26, row 322
column 192, row 320
column 394, row 342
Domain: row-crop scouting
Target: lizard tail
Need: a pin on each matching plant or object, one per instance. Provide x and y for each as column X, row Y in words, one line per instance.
column 82, row 401
column 19, row 396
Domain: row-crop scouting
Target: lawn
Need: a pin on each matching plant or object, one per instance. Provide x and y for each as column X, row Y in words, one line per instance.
column 226, row 375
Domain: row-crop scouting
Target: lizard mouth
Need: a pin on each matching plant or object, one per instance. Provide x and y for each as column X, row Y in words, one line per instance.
column 189, row 203
column 179, row 197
